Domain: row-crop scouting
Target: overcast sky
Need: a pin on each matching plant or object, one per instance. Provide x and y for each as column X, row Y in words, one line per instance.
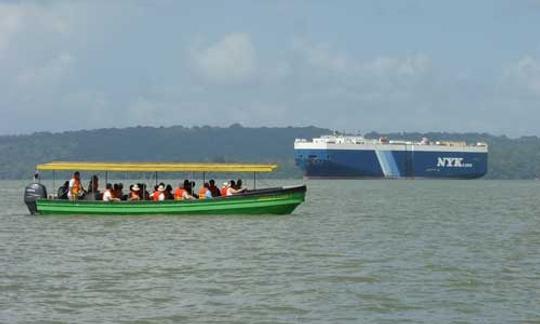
column 347, row 65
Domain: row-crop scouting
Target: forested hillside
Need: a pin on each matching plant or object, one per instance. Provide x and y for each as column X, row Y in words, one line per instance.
column 20, row 154
column 508, row 158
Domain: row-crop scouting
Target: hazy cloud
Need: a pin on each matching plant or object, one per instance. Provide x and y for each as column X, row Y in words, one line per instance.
column 325, row 57
column 17, row 18
column 524, row 74
column 122, row 63
column 399, row 66
column 49, row 73
column 232, row 59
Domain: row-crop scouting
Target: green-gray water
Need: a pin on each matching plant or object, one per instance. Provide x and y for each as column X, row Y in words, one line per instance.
column 356, row 251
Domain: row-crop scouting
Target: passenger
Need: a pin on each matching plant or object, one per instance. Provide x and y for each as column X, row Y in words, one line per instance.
column 115, row 191
column 213, row 189
column 76, row 190
column 232, row 190
column 63, row 191
column 192, row 189
column 181, row 193
column 187, row 185
column 93, row 185
column 108, row 194
column 120, row 193
column 231, row 187
column 224, row 188
column 238, row 184
column 155, row 194
column 168, row 192
column 93, row 189
column 159, row 195
column 204, row 192
column 134, row 192
column 145, row 195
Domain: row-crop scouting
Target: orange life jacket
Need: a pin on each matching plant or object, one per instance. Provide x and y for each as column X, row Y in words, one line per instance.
column 134, row 196
column 179, row 194
column 76, row 187
column 224, row 191
column 202, row 193
column 155, row 195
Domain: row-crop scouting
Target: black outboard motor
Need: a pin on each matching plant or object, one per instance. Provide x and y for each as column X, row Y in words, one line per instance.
column 33, row 192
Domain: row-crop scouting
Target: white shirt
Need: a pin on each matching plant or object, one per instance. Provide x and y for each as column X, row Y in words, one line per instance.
column 231, row 191
column 71, row 184
column 107, row 196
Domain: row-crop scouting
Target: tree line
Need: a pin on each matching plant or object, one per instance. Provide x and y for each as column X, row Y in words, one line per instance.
column 509, row 158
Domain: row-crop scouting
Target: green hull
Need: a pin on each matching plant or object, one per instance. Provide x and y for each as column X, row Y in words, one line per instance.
column 280, row 202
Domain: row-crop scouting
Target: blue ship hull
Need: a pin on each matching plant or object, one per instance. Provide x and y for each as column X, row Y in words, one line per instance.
column 336, row 163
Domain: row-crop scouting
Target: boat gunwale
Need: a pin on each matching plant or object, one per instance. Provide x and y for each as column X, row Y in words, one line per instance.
column 259, row 193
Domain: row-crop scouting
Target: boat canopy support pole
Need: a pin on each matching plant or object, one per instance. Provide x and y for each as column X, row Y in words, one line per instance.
column 254, row 180
column 53, row 180
column 106, row 178
column 156, row 178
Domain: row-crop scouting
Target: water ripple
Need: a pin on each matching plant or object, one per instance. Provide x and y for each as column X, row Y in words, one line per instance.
column 357, row 251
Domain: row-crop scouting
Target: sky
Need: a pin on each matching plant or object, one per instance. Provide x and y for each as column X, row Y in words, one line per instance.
column 356, row 66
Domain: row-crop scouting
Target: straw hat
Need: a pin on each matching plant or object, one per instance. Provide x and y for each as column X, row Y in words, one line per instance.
column 161, row 188
column 225, row 184
column 135, row 188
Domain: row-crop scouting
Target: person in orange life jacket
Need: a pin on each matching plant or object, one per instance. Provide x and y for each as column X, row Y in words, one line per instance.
column 159, row 194
column 161, row 189
column 223, row 190
column 181, row 192
column 213, row 188
column 76, row 190
column 134, row 192
column 155, row 193
column 108, row 194
column 204, row 192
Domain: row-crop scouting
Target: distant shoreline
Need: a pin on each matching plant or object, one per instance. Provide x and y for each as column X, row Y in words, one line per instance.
column 509, row 158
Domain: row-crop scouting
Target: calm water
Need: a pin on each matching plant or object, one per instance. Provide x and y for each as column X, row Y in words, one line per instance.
column 357, row 251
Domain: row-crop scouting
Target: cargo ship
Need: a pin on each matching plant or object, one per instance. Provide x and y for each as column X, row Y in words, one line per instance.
column 339, row 156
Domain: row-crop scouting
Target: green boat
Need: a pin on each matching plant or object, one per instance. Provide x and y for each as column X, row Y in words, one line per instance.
column 276, row 200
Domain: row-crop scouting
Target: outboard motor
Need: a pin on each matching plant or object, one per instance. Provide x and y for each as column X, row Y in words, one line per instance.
column 33, row 192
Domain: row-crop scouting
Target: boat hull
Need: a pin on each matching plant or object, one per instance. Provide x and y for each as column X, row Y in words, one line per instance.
column 266, row 201
column 371, row 163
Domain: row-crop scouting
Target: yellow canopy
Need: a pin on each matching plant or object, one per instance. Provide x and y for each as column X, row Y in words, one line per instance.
column 155, row 167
